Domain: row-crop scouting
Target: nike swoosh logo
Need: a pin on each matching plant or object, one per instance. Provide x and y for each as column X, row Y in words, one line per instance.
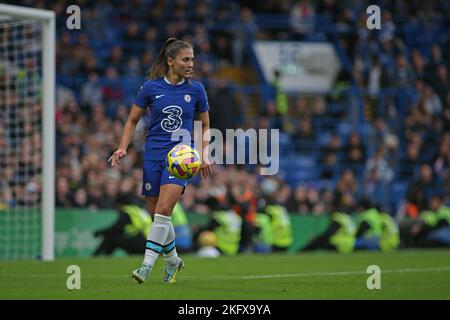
column 159, row 96
column 171, row 177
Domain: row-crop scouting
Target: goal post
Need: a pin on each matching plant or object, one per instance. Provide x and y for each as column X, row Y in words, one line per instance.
column 46, row 90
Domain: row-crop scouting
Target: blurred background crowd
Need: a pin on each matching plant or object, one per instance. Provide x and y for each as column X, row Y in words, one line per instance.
column 382, row 134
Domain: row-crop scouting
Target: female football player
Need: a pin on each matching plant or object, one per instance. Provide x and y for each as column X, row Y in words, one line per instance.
column 174, row 100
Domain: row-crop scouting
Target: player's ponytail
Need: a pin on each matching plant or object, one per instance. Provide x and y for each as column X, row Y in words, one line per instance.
column 169, row 49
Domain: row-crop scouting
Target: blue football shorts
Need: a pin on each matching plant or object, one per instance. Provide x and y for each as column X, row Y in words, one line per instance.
column 155, row 175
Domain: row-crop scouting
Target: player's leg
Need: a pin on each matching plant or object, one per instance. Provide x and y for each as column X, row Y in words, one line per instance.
column 150, row 189
column 151, row 204
column 169, row 196
column 171, row 190
column 162, row 223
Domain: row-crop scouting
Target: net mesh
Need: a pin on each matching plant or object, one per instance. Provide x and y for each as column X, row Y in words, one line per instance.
column 20, row 138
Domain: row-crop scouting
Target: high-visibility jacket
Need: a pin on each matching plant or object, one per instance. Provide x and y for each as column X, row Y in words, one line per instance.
column 373, row 218
column 282, row 103
column 431, row 218
column 228, row 232
column 264, row 236
column 344, row 239
column 179, row 217
column 390, row 238
column 140, row 221
column 281, row 226
column 443, row 213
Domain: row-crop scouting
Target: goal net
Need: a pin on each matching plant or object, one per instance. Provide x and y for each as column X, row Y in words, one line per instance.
column 26, row 108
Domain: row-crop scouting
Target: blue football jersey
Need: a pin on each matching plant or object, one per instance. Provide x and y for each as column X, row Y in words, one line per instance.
column 172, row 108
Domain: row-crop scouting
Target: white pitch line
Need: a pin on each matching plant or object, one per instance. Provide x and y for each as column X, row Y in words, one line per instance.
column 343, row 273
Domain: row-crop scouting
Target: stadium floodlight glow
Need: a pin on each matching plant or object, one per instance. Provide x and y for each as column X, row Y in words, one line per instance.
column 46, row 21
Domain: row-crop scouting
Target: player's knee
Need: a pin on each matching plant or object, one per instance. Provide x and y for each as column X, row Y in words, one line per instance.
column 164, row 209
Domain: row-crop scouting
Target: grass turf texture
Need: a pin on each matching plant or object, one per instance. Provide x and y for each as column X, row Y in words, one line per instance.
column 409, row 274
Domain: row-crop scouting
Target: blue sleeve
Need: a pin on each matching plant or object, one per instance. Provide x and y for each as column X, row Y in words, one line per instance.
column 143, row 97
column 202, row 104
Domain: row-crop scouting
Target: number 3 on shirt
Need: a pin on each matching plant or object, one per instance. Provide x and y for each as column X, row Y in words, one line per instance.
column 173, row 120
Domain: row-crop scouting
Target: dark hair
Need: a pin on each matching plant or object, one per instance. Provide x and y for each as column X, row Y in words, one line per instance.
column 169, row 50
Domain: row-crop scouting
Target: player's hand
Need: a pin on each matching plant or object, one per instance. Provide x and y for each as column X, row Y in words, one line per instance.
column 205, row 170
column 119, row 153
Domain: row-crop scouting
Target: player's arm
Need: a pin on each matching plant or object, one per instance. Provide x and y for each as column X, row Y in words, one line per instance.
column 205, row 169
column 128, row 132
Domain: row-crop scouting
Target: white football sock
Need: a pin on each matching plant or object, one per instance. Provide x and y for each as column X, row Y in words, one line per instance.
column 156, row 238
column 169, row 249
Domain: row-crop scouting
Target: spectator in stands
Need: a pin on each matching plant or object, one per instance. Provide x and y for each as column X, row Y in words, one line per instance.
column 80, row 199
column 242, row 198
column 379, row 134
column 327, row 198
column 222, row 50
column 305, row 129
column 424, row 181
column 408, row 215
column 95, row 199
column 62, row 196
column 132, row 38
column 328, row 166
column 432, row 103
column 436, row 58
column 116, row 58
column 133, row 67
column 410, row 161
column 112, row 188
column 418, row 64
column 378, row 163
column 298, row 202
column 128, row 187
column 283, row 194
column 90, row 64
column 355, row 152
column 227, row 109
column 151, row 38
column 334, row 145
column 91, row 93
column 374, row 189
column 112, row 91
column 441, row 161
column 316, row 206
column 404, row 76
column 345, row 194
column 243, row 30
column 76, row 177
column 71, row 66
column 441, row 84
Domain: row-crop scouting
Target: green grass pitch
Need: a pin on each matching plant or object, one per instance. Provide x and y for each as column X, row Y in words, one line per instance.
column 409, row 274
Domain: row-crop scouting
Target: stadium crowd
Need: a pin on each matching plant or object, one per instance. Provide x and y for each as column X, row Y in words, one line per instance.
column 398, row 160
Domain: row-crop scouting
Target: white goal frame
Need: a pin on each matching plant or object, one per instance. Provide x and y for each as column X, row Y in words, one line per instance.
column 47, row 19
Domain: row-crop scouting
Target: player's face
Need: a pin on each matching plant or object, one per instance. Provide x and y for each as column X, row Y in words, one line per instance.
column 183, row 63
